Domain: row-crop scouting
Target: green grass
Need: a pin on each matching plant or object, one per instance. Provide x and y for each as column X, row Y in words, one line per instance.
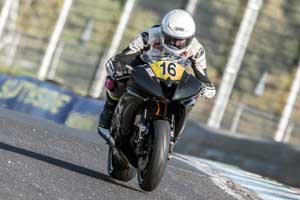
column 16, row 71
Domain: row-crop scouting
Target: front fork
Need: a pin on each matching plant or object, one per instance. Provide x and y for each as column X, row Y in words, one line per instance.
column 173, row 140
column 179, row 120
column 142, row 136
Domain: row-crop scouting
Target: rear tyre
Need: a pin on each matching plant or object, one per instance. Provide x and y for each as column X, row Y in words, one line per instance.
column 116, row 168
column 151, row 168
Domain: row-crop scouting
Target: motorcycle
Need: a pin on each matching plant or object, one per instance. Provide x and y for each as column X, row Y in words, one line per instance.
column 149, row 118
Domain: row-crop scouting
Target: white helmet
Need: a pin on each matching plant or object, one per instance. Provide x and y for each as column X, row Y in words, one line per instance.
column 178, row 29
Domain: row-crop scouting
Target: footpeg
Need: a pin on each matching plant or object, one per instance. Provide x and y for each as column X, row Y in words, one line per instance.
column 105, row 134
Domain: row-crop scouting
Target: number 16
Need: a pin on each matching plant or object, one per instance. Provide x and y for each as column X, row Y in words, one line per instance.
column 171, row 69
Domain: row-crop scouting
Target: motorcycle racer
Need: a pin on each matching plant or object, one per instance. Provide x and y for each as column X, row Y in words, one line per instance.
column 175, row 37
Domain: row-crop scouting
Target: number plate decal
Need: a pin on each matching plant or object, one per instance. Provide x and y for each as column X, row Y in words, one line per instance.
column 167, row 70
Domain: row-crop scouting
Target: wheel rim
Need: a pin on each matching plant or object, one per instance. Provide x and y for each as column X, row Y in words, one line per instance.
column 142, row 164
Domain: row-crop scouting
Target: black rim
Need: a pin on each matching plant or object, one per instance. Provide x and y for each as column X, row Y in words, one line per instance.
column 142, row 167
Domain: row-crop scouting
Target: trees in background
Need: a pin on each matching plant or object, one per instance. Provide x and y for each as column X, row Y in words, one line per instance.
column 274, row 47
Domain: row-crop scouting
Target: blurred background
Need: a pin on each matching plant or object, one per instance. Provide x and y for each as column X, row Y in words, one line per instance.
column 264, row 82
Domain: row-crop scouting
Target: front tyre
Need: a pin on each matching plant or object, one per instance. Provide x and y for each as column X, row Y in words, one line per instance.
column 152, row 166
column 116, row 168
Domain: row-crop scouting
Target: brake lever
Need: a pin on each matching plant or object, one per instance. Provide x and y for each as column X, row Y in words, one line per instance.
column 129, row 68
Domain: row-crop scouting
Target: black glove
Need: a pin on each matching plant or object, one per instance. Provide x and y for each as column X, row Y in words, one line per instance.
column 116, row 70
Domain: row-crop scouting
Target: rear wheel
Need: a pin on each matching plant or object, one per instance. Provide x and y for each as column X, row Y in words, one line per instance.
column 152, row 166
column 117, row 170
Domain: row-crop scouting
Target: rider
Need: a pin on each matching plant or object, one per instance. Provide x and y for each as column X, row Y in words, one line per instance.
column 175, row 36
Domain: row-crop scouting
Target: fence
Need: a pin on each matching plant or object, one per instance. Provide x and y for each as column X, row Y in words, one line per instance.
column 250, row 121
column 273, row 50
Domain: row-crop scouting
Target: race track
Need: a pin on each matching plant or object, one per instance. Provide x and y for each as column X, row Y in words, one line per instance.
column 42, row 160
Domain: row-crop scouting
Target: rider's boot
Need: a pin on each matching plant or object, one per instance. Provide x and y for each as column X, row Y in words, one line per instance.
column 105, row 120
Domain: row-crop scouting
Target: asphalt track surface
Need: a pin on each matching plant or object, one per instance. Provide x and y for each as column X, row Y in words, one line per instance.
column 43, row 160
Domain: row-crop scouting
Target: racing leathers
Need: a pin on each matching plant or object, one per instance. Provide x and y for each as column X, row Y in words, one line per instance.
column 147, row 42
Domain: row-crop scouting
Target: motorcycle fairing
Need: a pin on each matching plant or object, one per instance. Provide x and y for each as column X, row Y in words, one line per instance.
column 188, row 87
column 142, row 81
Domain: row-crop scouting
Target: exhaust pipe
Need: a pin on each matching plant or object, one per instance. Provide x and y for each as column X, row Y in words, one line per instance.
column 105, row 134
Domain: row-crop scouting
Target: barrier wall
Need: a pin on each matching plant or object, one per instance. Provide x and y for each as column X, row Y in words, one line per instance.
column 49, row 101
column 278, row 161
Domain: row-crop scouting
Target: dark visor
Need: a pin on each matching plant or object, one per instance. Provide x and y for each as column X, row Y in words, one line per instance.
column 176, row 42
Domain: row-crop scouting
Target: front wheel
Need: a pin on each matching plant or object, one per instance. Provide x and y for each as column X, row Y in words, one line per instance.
column 152, row 166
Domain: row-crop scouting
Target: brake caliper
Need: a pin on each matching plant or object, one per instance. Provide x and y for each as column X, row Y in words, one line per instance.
column 142, row 145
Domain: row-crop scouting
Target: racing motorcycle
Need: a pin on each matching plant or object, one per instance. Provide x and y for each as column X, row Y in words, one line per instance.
column 149, row 117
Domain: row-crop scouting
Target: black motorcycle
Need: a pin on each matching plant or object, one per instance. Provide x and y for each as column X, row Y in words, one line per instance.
column 148, row 119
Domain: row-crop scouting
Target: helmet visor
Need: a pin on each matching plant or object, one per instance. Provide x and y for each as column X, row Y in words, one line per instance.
column 176, row 43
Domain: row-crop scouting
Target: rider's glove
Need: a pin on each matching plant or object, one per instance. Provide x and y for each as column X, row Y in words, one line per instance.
column 116, row 70
column 208, row 92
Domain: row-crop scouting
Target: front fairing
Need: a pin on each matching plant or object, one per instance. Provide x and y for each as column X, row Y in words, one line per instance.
column 166, row 79
column 143, row 83
column 188, row 87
